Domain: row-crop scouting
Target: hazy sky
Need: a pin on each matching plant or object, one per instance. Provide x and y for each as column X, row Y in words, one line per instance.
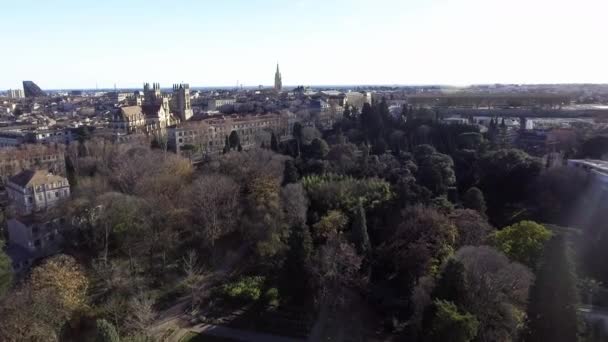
column 80, row 43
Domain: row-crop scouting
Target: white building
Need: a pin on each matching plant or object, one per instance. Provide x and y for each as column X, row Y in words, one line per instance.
column 15, row 93
column 216, row 104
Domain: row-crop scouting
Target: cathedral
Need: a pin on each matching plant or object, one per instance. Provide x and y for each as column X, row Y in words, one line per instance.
column 155, row 112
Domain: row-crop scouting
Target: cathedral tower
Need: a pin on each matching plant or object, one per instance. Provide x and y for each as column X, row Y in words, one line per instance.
column 180, row 102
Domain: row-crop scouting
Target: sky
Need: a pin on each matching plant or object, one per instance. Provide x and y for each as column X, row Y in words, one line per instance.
column 71, row 44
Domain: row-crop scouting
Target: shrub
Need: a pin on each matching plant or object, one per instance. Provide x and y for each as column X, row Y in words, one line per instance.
column 246, row 289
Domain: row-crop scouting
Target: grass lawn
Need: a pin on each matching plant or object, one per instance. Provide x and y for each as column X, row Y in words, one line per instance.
column 194, row 337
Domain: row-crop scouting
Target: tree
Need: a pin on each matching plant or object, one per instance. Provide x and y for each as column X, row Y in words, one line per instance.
column 106, row 332
column 193, row 276
column 522, row 242
column 452, row 283
column 450, row 324
column 595, row 147
column 331, row 223
column 552, row 312
column 335, row 269
column 435, row 170
column 473, row 199
column 507, row 176
column 318, row 148
column 234, row 140
column 290, row 175
column 63, row 277
column 141, row 313
column 297, row 134
column 347, row 113
column 496, row 292
column 308, row 134
column 226, row 146
column 359, row 231
column 274, row 142
column 473, row 228
column 6, row 271
column 214, row 206
column 295, row 281
column 294, row 204
column 420, row 244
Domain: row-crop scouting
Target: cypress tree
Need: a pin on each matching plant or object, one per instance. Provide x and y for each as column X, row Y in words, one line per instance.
column 359, row 230
column 274, row 142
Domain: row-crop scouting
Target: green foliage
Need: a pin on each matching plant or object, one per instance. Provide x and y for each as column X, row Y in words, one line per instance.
column 594, row 148
column 246, row 289
column 507, row 176
column 473, row 199
column 470, row 140
column 341, row 192
column 451, row 284
column 296, row 276
column 318, row 148
column 290, row 174
column 106, row 332
column 272, row 297
column 359, row 231
column 451, row 325
column 522, row 242
column 331, row 223
column 274, row 142
column 552, row 312
column 6, row 271
column 234, row 140
column 435, row 170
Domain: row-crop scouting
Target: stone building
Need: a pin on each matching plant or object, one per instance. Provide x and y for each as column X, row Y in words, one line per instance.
column 35, row 190
column 180, row 101
column 199, row 139
column 33, row 232
column 153, row 114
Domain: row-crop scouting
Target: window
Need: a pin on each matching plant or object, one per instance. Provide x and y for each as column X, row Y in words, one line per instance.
column 57, row 194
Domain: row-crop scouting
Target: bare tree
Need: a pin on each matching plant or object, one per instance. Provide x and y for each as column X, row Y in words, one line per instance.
column 193, row 276
column 141, row 313
column 214, row 206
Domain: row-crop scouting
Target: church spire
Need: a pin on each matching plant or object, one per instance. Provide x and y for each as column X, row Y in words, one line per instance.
column 278, row 82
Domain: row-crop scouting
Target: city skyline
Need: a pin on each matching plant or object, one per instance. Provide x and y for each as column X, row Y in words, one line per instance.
column 71, row 45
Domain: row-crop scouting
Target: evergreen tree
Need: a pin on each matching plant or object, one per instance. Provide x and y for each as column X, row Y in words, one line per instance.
column 296, row 275
column 473, row 199
column 359, row 231
column 6, row 271
column 297, row 134
column 552, row 311
column 274, row 142
column 450, row 324
column 290, row 173
column 106, row 332
column 347, row 113
column 226, row 146
column 451, row 284
column 234, row 140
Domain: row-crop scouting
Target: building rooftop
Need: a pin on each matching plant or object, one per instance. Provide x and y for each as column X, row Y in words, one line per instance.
column 30, row 177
